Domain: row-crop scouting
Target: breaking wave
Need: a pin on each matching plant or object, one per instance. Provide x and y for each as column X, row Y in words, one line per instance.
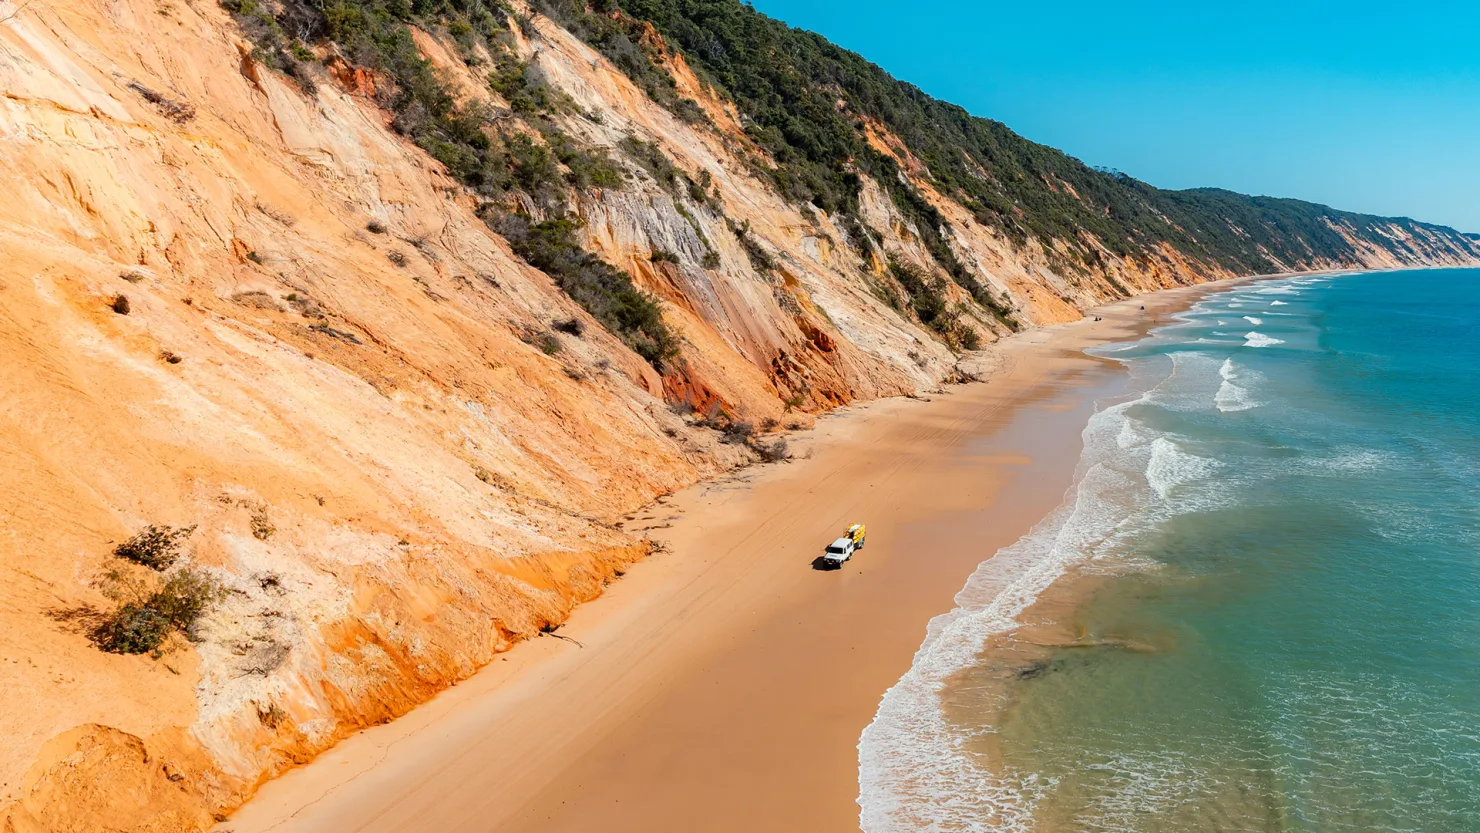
column 1258, row 339
column 1232, row 396
column 917, row 769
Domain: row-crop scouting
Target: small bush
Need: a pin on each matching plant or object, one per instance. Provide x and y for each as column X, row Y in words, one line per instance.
column 711, row 260
column 255, row 258
column 571, row 326
column 340, row 335
column 654, row 161
column 494, row 479
column 131, row 629
column 121, row 305
column 185, row 597
column 256, row 299
column 305, row 306
column 588, row 168
column 375, row 227
column 522, row 85
column 969, row 338
column 178, row 111
column 143, row 620
column 548, row 343
column 280, row 216
column 663, row 256
column 738, row 432
column 271, row 715
column 155, row 547
column 772, row 452
column 690, row 111
column 261, row 525
column 698, row 190
column 397, row 257
column 760, row 259
column 170, row 357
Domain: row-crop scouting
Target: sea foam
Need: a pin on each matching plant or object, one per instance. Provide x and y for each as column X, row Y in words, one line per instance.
column 917, row 770
column 1232, row 396
column 1258, row 339
column 1170, row 467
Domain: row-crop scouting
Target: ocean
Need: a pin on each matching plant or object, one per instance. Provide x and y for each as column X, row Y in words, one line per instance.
column 1273, row 550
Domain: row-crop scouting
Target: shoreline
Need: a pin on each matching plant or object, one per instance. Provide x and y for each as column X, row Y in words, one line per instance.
column 722, row 684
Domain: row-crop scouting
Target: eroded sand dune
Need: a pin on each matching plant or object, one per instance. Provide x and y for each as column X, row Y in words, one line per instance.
column 328, row 367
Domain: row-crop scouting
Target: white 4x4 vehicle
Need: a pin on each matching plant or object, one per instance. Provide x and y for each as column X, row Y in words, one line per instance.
column 839, row 551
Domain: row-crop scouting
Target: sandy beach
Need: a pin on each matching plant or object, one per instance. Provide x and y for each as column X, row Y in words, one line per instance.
column 721, row 685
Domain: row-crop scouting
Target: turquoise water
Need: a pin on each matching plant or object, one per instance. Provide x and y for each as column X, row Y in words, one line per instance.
column 1287, row 638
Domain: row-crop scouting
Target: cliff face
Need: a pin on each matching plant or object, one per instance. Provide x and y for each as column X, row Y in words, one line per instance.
column 401, row 447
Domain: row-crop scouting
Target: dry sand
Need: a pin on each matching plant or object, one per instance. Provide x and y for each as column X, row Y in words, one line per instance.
column 722, row 685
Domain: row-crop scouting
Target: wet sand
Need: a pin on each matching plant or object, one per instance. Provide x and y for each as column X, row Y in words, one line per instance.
column 722, row 684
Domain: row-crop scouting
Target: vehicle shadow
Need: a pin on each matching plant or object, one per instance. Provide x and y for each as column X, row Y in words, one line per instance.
column 821, row 563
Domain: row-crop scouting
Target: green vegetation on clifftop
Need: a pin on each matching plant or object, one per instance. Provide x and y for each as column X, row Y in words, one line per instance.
column 809, row 103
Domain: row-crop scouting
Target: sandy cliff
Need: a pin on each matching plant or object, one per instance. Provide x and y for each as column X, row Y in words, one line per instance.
column 352, row 389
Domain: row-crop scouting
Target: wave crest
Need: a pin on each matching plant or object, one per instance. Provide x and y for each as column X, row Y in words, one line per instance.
column 1231, row 396
column 1258, row 339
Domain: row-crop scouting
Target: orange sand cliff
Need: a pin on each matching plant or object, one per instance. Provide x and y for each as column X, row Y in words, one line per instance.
column 393, row 485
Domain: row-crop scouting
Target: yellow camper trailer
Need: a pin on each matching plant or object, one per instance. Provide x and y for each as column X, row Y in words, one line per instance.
column 842, row 549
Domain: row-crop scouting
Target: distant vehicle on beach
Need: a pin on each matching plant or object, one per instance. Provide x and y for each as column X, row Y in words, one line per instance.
column 842, row 549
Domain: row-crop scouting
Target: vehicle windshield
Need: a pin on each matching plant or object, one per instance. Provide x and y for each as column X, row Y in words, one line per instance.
column 835, row 550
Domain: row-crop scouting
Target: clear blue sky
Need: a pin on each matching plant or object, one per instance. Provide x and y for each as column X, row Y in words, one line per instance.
column 1361, row 105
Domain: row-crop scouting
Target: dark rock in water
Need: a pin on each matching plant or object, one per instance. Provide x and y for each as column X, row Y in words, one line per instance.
column 1037, row 669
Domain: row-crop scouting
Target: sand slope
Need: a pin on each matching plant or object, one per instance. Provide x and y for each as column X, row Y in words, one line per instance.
column 329, row 368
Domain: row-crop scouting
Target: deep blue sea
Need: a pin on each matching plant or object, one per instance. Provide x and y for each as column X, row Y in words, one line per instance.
column 1282, row 524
